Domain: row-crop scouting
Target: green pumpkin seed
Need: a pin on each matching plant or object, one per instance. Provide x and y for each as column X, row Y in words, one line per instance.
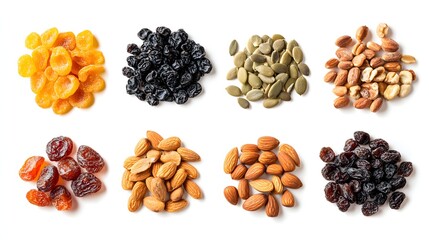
column 265, row 38
column 256, row 40
column 239, row 59
column 290, row 82
column 303, row 68
column 234, row 91
column 279, row 68
column 247, row 52
column 232, row 74
column 267, row 89
column 249, row 46
column 264, row 70
column 248, row 65
column 291, row 45
column 293, row 71
column 301, row 85
column 283, row 77
column 243, row 103
column 297, row 54
column 277, row 37
column 270, row 103
column 275, row 89
column 255, row 95
column 265, row 48
column 285, row 96
column 233, row 47
column 286, row 58
column 254, row 81
column 245, row 88
column 275, row 56
column 266, row 79
column 242, row 75
column 259, row 58
column 279, row 45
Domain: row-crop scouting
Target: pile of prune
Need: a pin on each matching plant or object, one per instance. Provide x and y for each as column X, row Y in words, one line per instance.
column 367, row 173
column 165, row 67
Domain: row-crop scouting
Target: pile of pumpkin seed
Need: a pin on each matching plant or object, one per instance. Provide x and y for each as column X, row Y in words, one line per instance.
column 269, row 69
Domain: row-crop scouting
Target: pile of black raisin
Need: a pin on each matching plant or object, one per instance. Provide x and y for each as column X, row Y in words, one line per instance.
column 366, row 173
column 166, row 67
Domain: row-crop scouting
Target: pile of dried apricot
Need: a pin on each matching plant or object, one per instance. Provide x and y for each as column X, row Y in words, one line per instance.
column 64, row 69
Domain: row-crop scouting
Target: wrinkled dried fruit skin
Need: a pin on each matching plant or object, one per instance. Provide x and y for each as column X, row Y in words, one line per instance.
column 61, row 198
column 85, row 184
column 369, row 208
column 68, row 169
column 89, row 159
column 327, row 154
column 58, row 148
column 38, row 198
column 48, row 178
column 396, row 200
column 31, row 167
column 405, row 169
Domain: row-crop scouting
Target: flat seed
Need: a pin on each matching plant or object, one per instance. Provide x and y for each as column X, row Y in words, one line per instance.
column 233, row 47
column 242, row 75
column 239, row 59
column 266, row 79
column 285, row 96
column 283, row 77
column 255, row 95
column 290, row 82
column 293, row 71
column 254, row 81
column 291, row 45
column 267, row 89
column 256, row 40
column 290, row 88
column 277, row 37
column 264, row 70
column 279, row 68
column 303, row 68
column 249, row 46
column 265, row 48
column 248, row 65
column 232, row 74
column 243, row 103
column 258, row 58
column 265, row 38
column 269, row 61
column 270, row 103
column 275, row 56
column 245, row 88
column 297, row 54
column 275, row 89
column 279, row 45
column 286, row 58
column 408, row 59
column 234, row 91
column 301, row 85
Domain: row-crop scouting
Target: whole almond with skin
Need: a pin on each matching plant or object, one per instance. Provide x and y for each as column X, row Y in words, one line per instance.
column 262, row 185
column 231, row 160
column 130, row 161
column 167, row 170
column 155, row 167
column 154, row 138
column 359, row 60
column 249, row 148
column 332, row 63
column 255, row 171
column 391, row 56
column 353, row 76
column 170, row 144
column 376, row 105
column 193, row 189
column 135, row 201
column 277, row 184
column 341, row 102
column 178, row 178
column 362, row 103
column 231, row 194
column 340, row 91
column 389, row 45
column 153, row 204
column 142, row 147
column 291, row 181
column 243, row 189
column 341, row 78
column 141, row 176
column 343, row 41
column 158, row 189
column 176, row 195
column 274, row 169
column 249, row 157
column 126, row 183
column 142, row 165
column 286, row 161
column 239, row 172
column 168, row 186
column 272, row 209
column 171, row 156
column 345, row 65
column 175, row 206
column 288, row 199
column 267, row 158
column 361, row 33
column 291, row 152
column 330, row 76
column 148, row 182
column 344, row 54
column 188, row 155
column 190, row 170
column 267, row 143
column 376, row 62
column 154, row 154
column 255, row 202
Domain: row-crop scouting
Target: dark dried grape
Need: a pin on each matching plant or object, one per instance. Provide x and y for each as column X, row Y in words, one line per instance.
column 356, row 185
column 397, row 183
column 142, row 34
column 133, row 49
column 377, row 152
column 350, row 145
column 48, row 178
column 362, row 152
column 396, row 200
column 369, row 208
column 391, row 156
column 378, row 175
column 332, row 192
column 378, row 143
column 346, row 159
column 361, row 137
column 330, row 172
column 384, row 187
column 368, row 187
column 364, row 164
column 358, row 174
column 85, row 184
column 68, row 169
column 405, row 169
column 343, row 204
column 58, row 148
column 89, row 159
column 38, row 198
column 61, row 198
column 361, row 197
column 127, row 72
column 377, row 163
column 390, row 170
column 194, row 90
column 347, row 192
column 380, row 198
column 327, row 154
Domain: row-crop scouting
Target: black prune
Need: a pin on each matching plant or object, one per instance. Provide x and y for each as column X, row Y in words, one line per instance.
column 350, row 145
column 391, row 156
column 327, row 154
column 396, row 199
column 369, row 208
column 405, row 169
column 361, row 137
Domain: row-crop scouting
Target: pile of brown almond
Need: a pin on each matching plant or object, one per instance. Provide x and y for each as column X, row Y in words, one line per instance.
column 368, row 72
column 258, row 167
column 161, row 169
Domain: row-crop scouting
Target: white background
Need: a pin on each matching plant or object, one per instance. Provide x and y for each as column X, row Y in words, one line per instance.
column 212, row 123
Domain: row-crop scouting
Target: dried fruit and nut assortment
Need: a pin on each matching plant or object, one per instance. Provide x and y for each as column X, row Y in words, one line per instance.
column 159, row 173
column 165, row 67
column 50, row 189
column 258, row 167
column 369, row 72
column 367, row 173
column 268, row 68
column 64, row 69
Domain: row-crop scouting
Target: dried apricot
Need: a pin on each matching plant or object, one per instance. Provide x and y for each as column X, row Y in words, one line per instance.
column 67, row 40
column 50, row 74
column 84, row 58
column 38, row 198
column 94, row 83
column 61, row 106
column 60, row 61
column 66, row 86
column 49, row 37
column 85, row 40
column 37, row 81
column 26, row 66
column 46, row 96
column 31, row 167
column 75, row 68
column 32, row 41
column 40, row 57
column 86, row 71
column 81, row 99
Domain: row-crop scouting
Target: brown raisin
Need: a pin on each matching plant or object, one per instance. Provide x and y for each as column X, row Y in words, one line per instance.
column 38, row 198
column 85, row 184
column 31, row 167
column 59, row 148
column 61, row 198
column 68, row 169
column 89, row 159
column 48, row 178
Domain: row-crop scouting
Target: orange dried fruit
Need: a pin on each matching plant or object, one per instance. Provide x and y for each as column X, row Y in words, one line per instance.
column 40, row 57
column 26, row 66
column 50, row 74
column 75, row 68
column 66, row 86
column 61, row 106
column 94, row 83
column 67, row 40
column 85, row 40
column 61, row 61
column 46, row 96
column 33, row 40
column 31, row 167
column 37, row 81
column 81, row 99
column 84, row 58
column 49, row 37
column 86, row 71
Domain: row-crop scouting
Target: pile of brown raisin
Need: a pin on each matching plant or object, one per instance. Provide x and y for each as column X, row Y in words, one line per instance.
column 367, row 173
column 80, row 173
